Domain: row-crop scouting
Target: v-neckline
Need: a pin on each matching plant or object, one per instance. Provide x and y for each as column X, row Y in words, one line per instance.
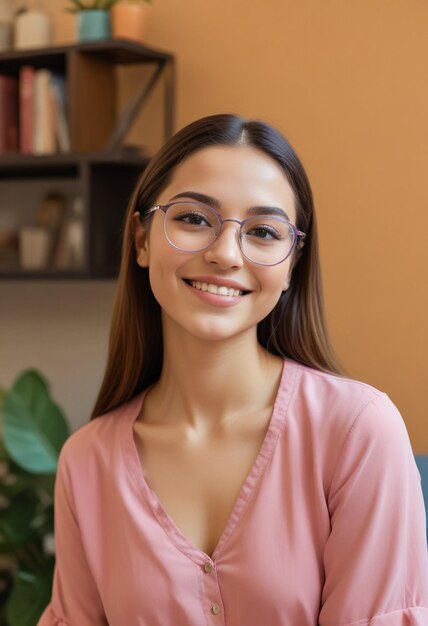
column 136, row 469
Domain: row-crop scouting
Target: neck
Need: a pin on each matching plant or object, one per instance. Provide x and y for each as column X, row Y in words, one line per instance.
column 205, row 385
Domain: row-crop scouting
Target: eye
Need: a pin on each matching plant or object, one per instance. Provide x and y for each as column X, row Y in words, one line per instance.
column 192, row 218
column 264, row 232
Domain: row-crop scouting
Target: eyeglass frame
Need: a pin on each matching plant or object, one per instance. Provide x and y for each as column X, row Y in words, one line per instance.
column 298, row 234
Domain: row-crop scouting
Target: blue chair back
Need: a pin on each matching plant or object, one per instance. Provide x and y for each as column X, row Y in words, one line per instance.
column 422, row 463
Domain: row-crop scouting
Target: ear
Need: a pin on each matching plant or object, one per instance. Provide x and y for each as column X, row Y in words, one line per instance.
column 141, row 239
column 296, row 257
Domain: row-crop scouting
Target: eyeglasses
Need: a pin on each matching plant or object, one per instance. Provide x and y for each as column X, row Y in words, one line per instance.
column 194, row 226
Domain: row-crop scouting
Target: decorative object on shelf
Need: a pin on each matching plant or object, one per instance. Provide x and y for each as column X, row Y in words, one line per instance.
column 93, row 19
column 34, row 245
column 51, row 216
column 7, row 14
column 34, row 429
column 33, row 29
column 130, row 19
column 69, row 251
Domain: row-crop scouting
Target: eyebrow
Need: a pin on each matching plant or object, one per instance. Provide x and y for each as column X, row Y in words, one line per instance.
column 213, row 202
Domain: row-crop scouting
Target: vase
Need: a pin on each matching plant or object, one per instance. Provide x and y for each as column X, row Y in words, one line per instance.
column 34, row 242
column 93, row 25
column 130, row 21
column 33, row 29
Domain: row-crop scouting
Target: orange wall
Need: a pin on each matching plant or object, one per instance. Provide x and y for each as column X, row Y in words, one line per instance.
column 347, row 83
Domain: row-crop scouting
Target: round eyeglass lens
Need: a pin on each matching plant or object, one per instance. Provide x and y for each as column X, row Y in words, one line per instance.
column 191, row 226
column 267, row 240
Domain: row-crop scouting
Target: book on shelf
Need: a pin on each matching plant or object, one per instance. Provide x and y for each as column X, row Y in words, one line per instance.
column 43, row 112
column 9, row 119
column 43, row 129
column 26, row 95
column 58, row 91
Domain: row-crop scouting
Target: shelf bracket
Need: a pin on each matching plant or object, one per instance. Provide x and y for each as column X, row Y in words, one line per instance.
column 134, row 107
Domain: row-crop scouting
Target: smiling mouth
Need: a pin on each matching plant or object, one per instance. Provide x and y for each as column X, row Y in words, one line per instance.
column 214, row 289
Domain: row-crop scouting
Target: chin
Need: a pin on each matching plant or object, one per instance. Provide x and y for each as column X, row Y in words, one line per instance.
column 219, row 330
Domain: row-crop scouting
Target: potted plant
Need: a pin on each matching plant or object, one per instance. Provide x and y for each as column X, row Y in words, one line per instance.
column 93, row 18
column 130, row 19
column 33, row 431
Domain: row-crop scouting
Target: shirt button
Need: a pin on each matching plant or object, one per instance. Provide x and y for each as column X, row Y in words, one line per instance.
column 215, row 609
column 208, row 567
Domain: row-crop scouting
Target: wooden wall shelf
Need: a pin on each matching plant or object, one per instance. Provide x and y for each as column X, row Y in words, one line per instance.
column 102, row 170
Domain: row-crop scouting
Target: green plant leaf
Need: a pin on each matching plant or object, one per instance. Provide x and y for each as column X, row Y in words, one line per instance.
column 3, row 393
column 30, row 595
column 12, row 490
column 37, row 482
column 34, row 427
column 79, row 6
column 93, row 5
column 16, row 520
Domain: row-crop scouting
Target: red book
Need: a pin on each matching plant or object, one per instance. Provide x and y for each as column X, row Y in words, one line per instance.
column 26, row 116
column 9, row 114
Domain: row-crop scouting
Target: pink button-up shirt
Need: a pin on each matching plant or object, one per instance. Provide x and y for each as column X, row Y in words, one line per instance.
column 328, row 528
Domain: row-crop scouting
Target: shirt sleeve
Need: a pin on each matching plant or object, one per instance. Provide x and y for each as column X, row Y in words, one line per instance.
column 75, row 599
column 375, row 559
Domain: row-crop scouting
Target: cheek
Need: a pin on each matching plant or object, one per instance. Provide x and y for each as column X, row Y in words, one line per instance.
column 274, row 278
column 164, row 272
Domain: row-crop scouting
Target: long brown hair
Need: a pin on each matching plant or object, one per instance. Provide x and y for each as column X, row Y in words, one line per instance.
column 295, row 328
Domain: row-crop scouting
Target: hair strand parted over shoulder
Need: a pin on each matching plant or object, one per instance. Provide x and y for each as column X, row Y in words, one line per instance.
column 296, row 328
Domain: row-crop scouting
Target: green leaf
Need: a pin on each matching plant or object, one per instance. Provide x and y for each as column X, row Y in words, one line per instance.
column 3, row 394
column 78, row 4
column 16, row 520
column 30, row 595
column 34, row 427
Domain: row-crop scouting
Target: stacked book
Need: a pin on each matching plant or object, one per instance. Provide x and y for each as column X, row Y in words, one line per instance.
column 33, row 112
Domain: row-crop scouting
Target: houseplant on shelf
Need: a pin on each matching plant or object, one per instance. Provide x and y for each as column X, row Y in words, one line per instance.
column 93, row 18
column 130, row 19
column 33, row 431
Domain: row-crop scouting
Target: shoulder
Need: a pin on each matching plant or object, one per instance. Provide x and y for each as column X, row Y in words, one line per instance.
column 96, row 444
column 345, row 422
column 338, row 404
column 332, row 388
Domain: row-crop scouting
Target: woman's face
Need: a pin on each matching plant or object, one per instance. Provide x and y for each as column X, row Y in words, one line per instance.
column 238, row 177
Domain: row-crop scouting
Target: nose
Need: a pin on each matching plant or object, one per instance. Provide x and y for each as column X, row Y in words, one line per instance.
column 225, row 251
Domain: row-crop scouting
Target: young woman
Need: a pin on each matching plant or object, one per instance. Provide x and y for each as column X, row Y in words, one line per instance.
column 233, row 474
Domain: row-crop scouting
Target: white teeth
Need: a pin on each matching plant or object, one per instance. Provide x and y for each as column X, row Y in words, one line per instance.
column 221, row 291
